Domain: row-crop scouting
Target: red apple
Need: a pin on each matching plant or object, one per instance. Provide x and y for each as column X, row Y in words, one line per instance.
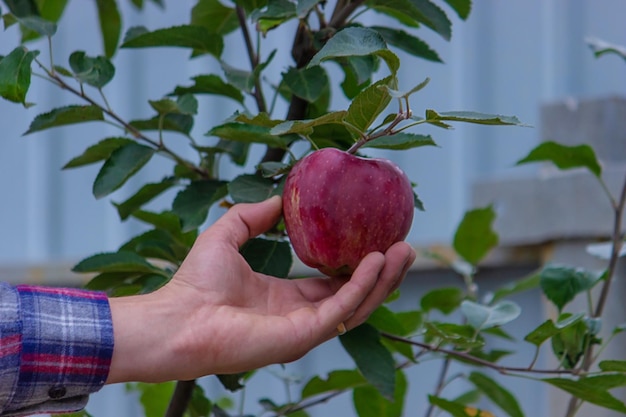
column 339, row 207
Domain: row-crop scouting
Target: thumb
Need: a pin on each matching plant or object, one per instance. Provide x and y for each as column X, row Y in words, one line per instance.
column 245, row 221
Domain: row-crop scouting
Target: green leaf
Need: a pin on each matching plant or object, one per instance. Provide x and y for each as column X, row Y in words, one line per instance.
column 525, row 284
column 244, row 132
column 214, row 16
column 22, row 8
column 472, row 117
column 154, row 398
column 401, row 141
column 588, row 392
column 123, row 163
column 38, row 25
column 356, row 41
column 368, row 402
column 193, row 203
column 612, row 366
column 121, row 261
column 606, row 381
column 241, row 79
column 445, row 300
column 371, row 357
column 98, row 152
column 304, row 127
column 199, row 405
column 461, row 7
column 565, row 157
column 462, row 336
column 303, row 7
column 474, row 236
column 231, row 382
column 600, row 48
column 67, row 115
column 385, row 320
column 454, row 408
column 270, row 257
column 96, row 71
column 173, row 122
column 250, row 188
column 561, row 284
column 51, row 10
column 157, row 244
column 145, row 194
column 548, row 329
column 336, row 380
column 497, row 394
column 108, row 280
column 481, row 316
column 419, row 11
column 276, row 13
column 185, row 36
column 408, row 43
column 184, row 104
column 165, row 220
column 571, row 342
column 15, row 73
column 210, row 84
column 110, row 25
column 306, row 83
column 368, row 105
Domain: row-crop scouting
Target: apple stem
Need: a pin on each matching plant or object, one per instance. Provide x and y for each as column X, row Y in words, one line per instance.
column 401, row 116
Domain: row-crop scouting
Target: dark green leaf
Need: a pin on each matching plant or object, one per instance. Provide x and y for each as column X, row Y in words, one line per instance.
column 250, row 188
column 173, row 122
column 185, row 36
column 121, row 261
column 306, row 83
column 210, row 84
column 570, row 343
column 417, row 202
column 62, row 116
column 588, row 392
column 613, row 366
column 368, row 105
column 145, row 194
column 356, row 41
column 123, row 163
column 445, row 300
column 272, row 169
column 193, row 203
column 276, row 13
column 410, row 320
column 371, row 357
column 63, row 71
column 565, row 157
column 336, row 380
column 96, row 71
column 475, row 237
column 497, row 394
column 561, row 284
column 238, row 151
column 199, row 405
column 408, row 43
column 98, row 152
column 243, row 132
column 165, row 220
column 472, row 117
column 110, row 25
column 419, row 11
column 401, row 141
column 109, row 280
column 270, row 257
column 368, row 402
column 38, row 25
column 231, row 382
column 304, row 127
column 481, row 316
column 385, row 320
column 184, row 104
column 156, row 244
column 15, row 72
column 241, row 79
column 461, row 7
column 22, row 8
column 606, row 381
column 214, row 16
column 548, row 329
column 454, row 408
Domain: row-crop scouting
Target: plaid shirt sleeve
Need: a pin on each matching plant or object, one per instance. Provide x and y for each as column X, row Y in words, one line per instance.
column 56, row 346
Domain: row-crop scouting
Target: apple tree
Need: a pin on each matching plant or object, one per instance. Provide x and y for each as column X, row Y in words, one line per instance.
column 378, row 116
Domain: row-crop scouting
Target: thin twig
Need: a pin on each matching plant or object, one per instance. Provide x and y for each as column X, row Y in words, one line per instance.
column 180, row 399
column 253, row 57
column 440, row 385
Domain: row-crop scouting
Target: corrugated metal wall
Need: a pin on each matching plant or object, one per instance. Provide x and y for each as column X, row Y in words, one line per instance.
column 510, row 57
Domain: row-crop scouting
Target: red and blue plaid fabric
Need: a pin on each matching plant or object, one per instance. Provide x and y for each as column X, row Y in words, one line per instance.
column 55, row 348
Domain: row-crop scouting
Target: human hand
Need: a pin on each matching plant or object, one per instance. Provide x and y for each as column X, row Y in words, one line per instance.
column 218, row 316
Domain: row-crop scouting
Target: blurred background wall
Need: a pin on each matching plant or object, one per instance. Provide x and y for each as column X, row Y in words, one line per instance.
column 510, row 57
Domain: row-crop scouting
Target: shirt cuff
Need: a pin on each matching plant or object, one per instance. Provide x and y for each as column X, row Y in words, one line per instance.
column 67, row 345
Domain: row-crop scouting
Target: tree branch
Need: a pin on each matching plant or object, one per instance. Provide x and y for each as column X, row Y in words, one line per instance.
column 254, row 59
column 181, row 398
